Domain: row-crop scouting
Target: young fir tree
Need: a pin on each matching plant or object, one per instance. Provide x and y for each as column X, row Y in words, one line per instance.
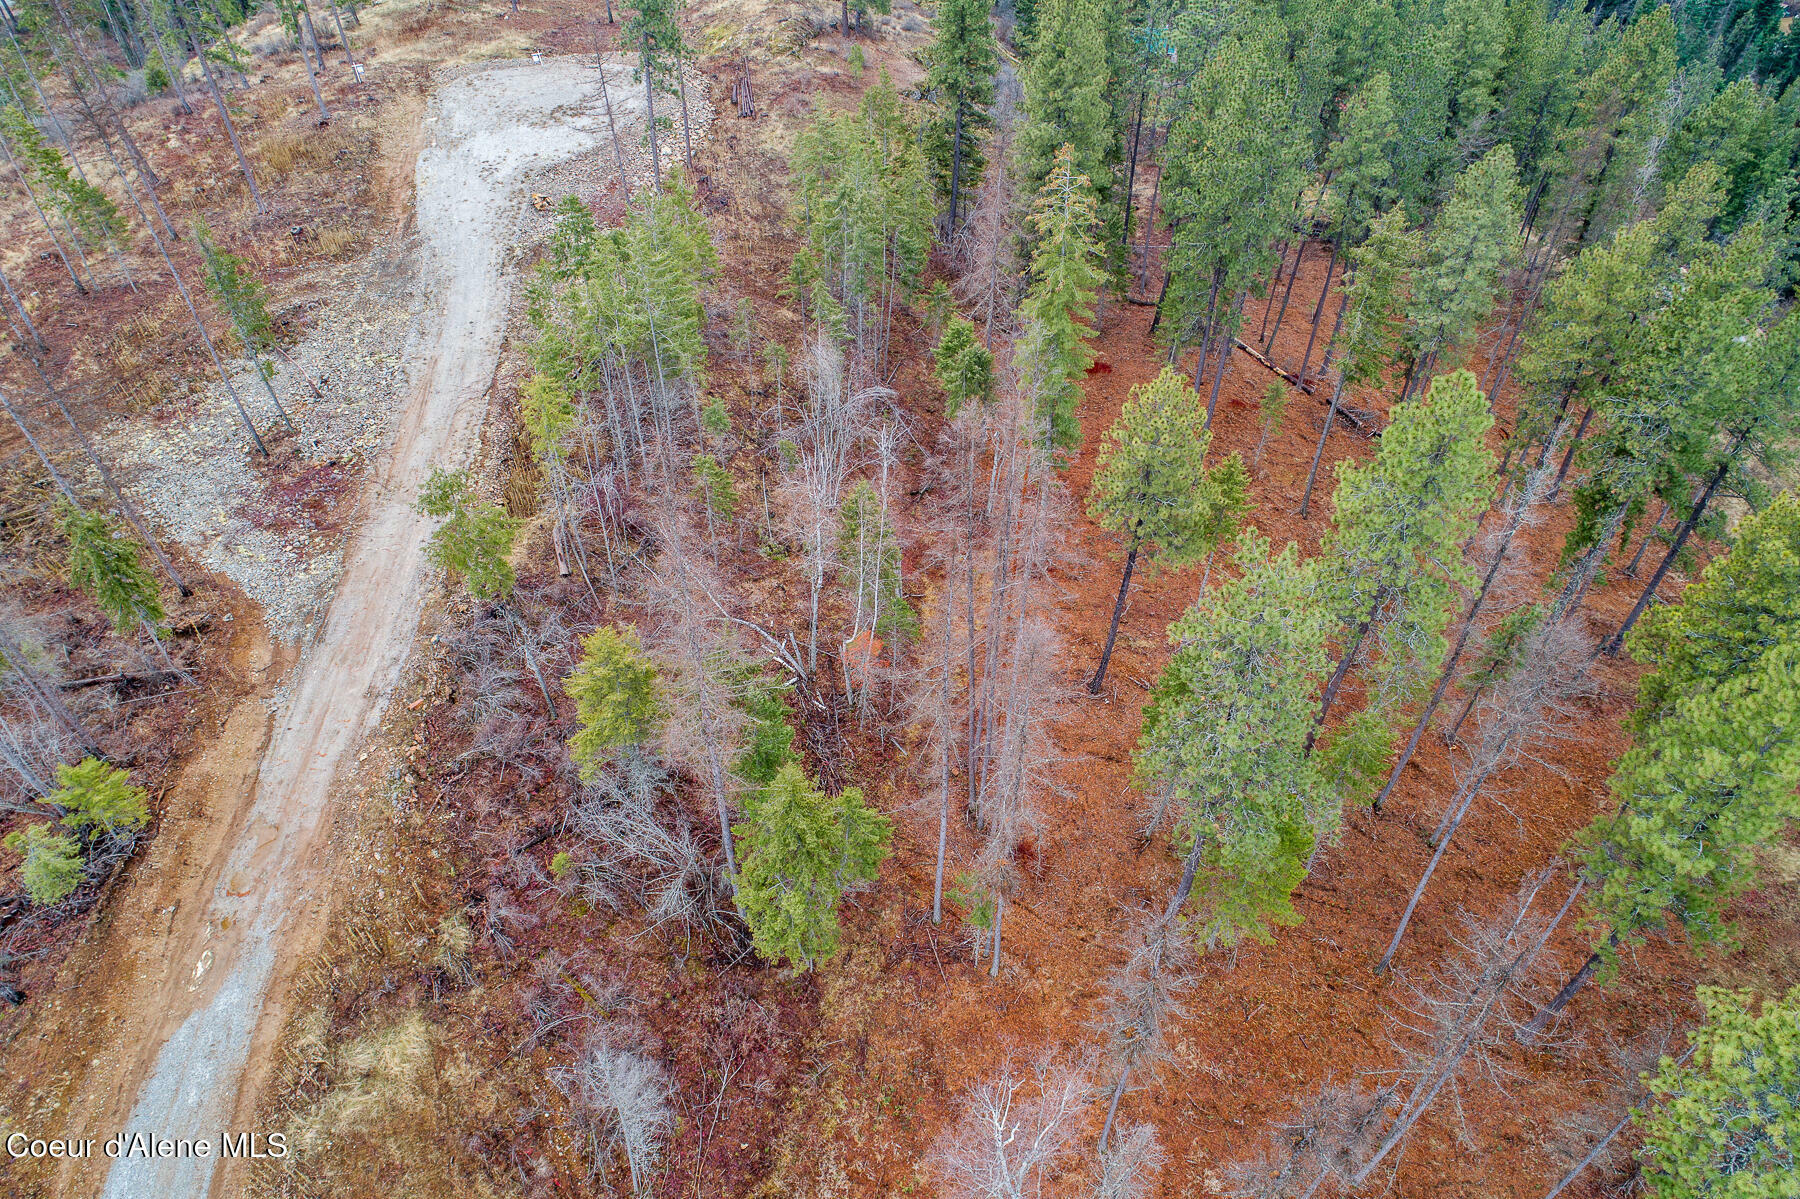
column 1473, row 239
column 1224, row 742
column 475, row 538
column 1068, row 82
column 1726, row 1124
column 95, row 800
column 965, row 367
column 107, row 566
column 712, row 483
column 768, row 737
column 1065, row 281
column 1711, row 777
column 802, row 850
column 1375, row 289
column 960, row 77
column 52, row 868
column 1271, row 414
column 617, row 700
column 1397, row 533
column 99, row 799
column 1152, row 487
column 244, row 300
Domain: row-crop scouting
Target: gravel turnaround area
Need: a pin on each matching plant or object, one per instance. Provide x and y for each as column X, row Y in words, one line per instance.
column 190, row 464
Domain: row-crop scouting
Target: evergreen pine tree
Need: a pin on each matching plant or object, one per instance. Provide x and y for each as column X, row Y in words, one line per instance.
column 1234, row 165
column 652, row 31
column 85, row 207
column 1712, row 775
column 1468, row 247
column 1726, row 1124
column 1474, row 37
column 1361, row 160
column 1224, row 738
column 617, row 700
column 1065, row 278
column 1741, row 606
column 865, row 210
column 1397, row 533
column 1152, row 487
column 1742, row 132
column 1614, row 129
column 803, row 850
column 960, row 76
column 768, row 737
column 1376, row 283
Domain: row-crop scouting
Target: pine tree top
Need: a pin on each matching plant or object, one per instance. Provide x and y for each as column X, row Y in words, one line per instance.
column 1745, row 604
column 1151, row 483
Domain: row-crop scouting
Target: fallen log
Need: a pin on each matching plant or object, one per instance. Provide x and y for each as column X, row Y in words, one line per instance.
column 101, row 680
column 1263, row 361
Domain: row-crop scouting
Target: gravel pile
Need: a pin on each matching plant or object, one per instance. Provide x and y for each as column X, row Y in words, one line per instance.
column 190, row 465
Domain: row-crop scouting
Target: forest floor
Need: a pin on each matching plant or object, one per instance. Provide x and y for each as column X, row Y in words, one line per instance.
column 271, row 935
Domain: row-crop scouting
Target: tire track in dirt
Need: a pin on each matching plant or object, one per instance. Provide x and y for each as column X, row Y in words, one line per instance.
column 227, row 950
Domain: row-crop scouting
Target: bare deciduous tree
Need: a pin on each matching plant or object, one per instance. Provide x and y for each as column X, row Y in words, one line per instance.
column 622, row 1097
column 1130, row 1164
column 1014, row 1133
column 645, row 852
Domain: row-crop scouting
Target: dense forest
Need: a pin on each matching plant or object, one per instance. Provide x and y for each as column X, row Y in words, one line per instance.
column 1104, row 598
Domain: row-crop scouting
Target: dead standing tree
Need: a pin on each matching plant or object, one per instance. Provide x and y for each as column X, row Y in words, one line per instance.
column 1143, row 995
column 832, row 426
column 701, row 646
column 1532, row 710
column 988, row 248
column 1451, row 1026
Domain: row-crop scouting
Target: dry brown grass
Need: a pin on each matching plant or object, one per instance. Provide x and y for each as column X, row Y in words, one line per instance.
column 340, row 241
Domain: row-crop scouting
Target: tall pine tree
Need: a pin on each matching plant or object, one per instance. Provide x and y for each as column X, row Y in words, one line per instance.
column 1152, row 487
column 960, row 77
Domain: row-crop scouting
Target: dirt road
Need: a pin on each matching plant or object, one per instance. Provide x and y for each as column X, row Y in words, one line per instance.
column 201, row 1005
